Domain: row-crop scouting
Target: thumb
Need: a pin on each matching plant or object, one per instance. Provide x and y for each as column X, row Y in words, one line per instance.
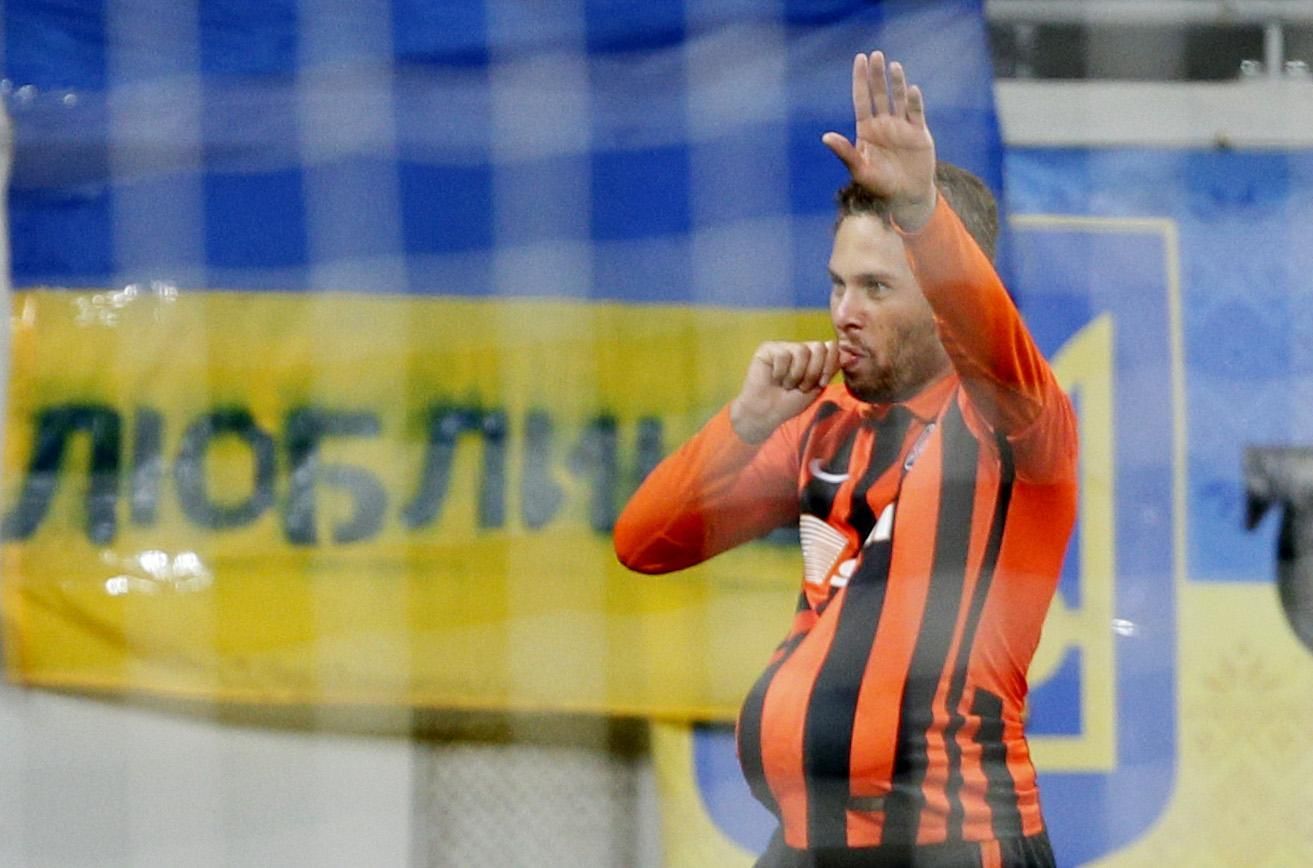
column 844, row 150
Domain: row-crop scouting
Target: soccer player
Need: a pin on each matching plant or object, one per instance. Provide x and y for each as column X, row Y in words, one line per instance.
column 935, row 492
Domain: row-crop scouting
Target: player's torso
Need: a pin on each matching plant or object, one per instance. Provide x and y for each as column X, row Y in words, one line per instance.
column 893, row 708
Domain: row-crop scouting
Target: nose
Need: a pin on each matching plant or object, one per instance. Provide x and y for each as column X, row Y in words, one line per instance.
column 846, row 309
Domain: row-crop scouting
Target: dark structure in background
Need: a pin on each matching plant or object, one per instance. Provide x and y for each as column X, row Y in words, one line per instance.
column 1282, row 477
column 1132, row 40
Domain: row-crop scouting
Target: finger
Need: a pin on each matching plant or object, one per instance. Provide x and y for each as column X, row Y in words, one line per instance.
column 898, row 87
column 799, row 355
column 844, row 150
column 780, row 361
column 861, row 90
column 811, row 378
column 915, row 106
column 877, row 84
column 831, row 361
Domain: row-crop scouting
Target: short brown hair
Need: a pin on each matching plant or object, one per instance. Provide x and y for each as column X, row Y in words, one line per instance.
column 966, row 194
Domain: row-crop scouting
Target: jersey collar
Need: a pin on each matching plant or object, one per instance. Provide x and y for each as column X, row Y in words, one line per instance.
column 924, row 405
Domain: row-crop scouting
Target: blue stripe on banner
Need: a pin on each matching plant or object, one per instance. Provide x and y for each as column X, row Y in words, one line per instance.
column 624, row 26
column 661, row 152
column 248, row 39
column 817, row 13
column 440, row 34
column 60, row 227
column 56, row 44
column 255, row 219
column 640, row 193
column 445, row 207
column 41, row 223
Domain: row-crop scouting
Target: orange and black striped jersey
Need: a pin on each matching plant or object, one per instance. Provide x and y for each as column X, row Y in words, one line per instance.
column 933, row 533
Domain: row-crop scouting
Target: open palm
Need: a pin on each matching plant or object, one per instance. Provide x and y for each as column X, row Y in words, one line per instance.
column 894, row 153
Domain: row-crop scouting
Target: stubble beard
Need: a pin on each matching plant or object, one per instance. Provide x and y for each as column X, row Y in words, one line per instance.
column 917, row 358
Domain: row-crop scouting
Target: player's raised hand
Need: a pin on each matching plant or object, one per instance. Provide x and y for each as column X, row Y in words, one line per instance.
column 783, row 379
column 893, row 155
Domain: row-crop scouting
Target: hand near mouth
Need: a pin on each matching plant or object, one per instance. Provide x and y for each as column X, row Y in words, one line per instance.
column 783, row 379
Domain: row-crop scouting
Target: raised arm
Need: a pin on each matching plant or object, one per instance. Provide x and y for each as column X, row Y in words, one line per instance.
column 1011, row 386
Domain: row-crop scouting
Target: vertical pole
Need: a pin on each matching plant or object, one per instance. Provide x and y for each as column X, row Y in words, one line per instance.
column 1274, row 48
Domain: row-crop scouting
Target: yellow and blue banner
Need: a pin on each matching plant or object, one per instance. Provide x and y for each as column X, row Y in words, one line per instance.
column 344, row 331
column 346, row 498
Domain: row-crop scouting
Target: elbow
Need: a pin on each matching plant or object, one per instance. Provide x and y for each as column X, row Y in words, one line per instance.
column 637, row 564
column 628, row 539
column 637, row 546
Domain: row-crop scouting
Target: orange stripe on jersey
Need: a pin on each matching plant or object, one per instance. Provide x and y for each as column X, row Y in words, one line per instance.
column 1021, row 769
column 977, row 823
column 782, row 724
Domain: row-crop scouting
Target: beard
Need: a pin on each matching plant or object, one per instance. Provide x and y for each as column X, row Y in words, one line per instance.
column 913, row 359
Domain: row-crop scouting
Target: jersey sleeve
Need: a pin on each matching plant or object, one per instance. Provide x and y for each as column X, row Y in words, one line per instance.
column 713, row 493
column 1006, row 378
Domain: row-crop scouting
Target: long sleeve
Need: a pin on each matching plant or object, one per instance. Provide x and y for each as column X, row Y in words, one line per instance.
column 713, row 493
column 1008, row 381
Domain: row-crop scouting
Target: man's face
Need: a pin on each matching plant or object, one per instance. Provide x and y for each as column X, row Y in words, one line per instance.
column 888, row 345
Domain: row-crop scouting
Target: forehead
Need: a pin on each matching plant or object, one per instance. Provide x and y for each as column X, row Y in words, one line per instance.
column 863, row 243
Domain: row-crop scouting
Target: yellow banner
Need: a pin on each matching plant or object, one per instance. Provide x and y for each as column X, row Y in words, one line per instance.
column 342, row 498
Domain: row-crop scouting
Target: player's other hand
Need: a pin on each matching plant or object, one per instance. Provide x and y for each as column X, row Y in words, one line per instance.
column 783, row 379
column 892, row 153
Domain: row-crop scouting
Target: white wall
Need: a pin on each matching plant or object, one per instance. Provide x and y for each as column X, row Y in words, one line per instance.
column 1253, row 113
column 92, row 783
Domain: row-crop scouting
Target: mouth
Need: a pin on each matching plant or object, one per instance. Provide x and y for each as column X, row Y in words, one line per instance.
column 850, row 356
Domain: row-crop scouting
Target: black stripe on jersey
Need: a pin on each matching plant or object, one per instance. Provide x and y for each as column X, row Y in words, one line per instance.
column 748, row 731
column 960, row 452
column 1001, row 791
column 832, row 709
column 823, row 412
column 818, row 494
column 1002, row 501
column 889, row 436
